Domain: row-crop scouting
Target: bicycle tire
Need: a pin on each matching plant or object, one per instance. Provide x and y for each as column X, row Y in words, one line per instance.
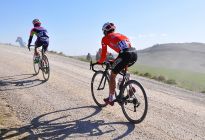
column 100, row 101
column 35, row 66
column 45, row 68
column 123, row 105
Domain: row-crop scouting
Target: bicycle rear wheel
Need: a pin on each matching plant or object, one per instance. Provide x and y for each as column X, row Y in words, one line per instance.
column 35, row 66
column 45, row 67
column 135, row 104
column 100, row 88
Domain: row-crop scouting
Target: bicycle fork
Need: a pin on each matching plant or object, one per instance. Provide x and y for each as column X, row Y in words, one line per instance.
column 102, row 81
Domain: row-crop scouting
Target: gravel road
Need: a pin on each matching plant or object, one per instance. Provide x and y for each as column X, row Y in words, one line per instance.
column 63, row 108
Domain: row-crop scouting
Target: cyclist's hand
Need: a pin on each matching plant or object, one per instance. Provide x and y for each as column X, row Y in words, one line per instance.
column 97, row 63
column 106, row 63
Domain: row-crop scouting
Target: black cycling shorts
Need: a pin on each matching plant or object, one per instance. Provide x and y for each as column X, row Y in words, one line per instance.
column 127, row 58
column 40, row 43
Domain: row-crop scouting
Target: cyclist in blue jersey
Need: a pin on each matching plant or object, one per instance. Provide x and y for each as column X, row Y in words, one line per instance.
column 42, row 37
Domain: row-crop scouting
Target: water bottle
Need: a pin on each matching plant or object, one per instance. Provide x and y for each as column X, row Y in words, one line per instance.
column 119, row 83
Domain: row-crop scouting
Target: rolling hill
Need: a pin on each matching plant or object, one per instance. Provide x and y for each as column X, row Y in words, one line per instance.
column 182, row 56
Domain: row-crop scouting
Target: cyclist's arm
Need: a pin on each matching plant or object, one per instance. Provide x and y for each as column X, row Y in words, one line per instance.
column 103, row 53
column 30, row 40
column 31, row 37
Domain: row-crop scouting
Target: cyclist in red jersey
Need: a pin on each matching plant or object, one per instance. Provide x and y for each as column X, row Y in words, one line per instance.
column 127, row 55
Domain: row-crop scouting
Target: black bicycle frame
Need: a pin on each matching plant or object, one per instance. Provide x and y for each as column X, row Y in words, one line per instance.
column 105, row 73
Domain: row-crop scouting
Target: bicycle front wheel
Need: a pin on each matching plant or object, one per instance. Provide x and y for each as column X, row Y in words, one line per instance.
column 45, row 67
column 135, row 104
column 100, row 88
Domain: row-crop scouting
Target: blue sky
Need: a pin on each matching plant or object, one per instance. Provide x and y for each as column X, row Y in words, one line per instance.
column 74, row 26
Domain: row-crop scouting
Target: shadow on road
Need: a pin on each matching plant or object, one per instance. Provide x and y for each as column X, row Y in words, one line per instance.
column 59, row 125
column 21, row 81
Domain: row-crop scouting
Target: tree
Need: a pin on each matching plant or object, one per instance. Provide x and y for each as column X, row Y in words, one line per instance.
column 88, row 57
column 20, row 41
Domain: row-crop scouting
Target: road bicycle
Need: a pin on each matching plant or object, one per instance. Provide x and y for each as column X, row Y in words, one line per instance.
column 131, row 95
column 42, row 63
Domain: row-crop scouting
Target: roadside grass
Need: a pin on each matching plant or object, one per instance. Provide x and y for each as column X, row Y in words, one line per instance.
column 82, row 59
column 186, row 79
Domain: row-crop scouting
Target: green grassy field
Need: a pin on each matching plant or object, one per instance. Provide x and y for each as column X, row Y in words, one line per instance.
column 186, row 79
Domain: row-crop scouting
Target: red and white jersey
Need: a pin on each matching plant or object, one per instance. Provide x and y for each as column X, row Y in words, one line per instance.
column 115, row 41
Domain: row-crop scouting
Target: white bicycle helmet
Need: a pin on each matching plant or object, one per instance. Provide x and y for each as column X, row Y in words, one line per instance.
column 108, row 27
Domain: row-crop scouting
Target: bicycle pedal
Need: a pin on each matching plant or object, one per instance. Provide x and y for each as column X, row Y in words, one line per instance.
column 115, row 100
column 138, row 104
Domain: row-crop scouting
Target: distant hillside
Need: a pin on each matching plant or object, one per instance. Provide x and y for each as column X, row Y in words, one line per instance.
column 186, row 56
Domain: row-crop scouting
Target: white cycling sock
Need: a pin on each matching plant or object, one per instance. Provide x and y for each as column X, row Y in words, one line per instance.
column 110, row 97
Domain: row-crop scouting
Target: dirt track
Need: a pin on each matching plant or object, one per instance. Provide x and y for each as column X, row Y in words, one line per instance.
column 62, row 108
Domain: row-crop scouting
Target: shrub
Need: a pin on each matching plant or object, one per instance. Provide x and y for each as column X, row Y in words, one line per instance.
column 53, row 52
column 61, row 53
column 141, row 74
column 83, row 59
column 154, row 77
column 171, row 82
column 161, row 78
column 203, row 91
column 147, row 75
column 136, row 72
